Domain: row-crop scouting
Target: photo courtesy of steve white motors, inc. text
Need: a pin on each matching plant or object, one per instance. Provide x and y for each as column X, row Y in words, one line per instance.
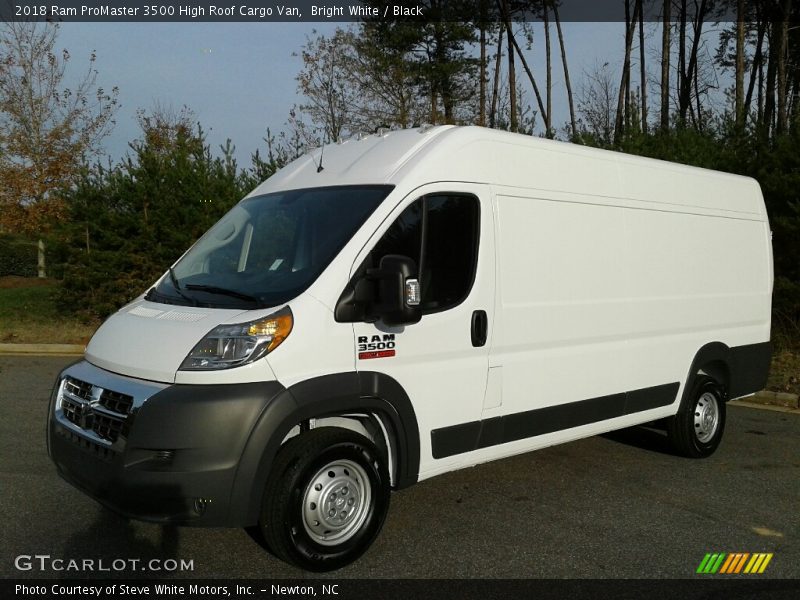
column 169, row 589
column 74, row 10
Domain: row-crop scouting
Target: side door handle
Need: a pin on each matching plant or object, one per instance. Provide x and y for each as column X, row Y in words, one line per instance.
column 480, row 328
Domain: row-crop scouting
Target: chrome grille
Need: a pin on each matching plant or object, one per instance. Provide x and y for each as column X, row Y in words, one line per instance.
column 117, row 402
column 79, row 389
column 94, row 409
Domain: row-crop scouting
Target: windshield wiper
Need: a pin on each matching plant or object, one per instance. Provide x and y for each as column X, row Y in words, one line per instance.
column 213, row 289
column 177, row 287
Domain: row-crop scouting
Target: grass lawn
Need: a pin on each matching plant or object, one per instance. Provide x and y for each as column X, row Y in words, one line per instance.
column 784, row 373
column 28, row 314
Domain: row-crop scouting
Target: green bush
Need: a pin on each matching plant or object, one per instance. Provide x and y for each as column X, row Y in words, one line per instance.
column 18, row 256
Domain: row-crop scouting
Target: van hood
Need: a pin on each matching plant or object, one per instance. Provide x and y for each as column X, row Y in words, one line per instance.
column 149, row 340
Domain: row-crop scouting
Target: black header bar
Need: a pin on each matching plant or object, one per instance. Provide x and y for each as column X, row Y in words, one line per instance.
column 310, row 11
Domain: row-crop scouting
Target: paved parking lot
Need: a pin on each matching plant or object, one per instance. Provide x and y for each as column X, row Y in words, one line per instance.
column 612, row 506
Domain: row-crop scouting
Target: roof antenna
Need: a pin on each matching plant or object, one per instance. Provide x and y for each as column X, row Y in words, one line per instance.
column 320, row 168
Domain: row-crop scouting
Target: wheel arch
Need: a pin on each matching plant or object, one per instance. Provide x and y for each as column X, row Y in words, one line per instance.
column 340, row 395
column 713, row 360
column 741, row 370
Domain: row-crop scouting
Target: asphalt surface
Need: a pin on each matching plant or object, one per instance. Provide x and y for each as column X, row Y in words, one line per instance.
column 615, row 506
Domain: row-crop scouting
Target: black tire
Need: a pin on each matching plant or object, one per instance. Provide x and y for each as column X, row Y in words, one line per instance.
column 697, row 429
column 342, row 471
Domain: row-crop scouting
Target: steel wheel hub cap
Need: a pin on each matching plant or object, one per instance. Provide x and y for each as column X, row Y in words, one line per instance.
column 706, row 417
column 336, row 502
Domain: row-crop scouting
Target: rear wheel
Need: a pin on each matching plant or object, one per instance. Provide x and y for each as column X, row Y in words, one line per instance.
column 326, row 499
column 697, row 429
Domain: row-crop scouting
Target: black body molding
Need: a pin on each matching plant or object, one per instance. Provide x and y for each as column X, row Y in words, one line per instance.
column 466, row 437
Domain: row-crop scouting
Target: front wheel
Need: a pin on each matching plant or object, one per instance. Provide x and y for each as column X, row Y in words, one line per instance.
column 326, row 499
column 697, row 429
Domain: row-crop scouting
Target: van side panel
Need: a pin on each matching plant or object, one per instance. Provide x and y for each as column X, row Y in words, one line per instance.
column 563, row 301
column 603, row 306
column 698, row 279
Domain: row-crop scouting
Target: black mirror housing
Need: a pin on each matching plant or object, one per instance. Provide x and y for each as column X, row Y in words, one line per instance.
column 390, row 277
column 382, row 293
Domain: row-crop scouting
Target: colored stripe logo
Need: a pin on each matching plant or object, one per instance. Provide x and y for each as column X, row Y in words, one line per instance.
column 734, row 563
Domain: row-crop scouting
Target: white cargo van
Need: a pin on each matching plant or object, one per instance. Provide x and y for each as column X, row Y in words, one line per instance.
column 409, row 303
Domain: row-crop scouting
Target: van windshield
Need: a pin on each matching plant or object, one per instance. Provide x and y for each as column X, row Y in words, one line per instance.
column 268, row 249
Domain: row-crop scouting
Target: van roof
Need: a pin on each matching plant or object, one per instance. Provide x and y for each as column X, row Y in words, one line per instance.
column 413, row 157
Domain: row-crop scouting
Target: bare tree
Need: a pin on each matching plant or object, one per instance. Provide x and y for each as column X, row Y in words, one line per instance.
column 739, row 75
column 483, row 25
column 782, row 52
column 513, row 46
column 325, row 82
column 496, row 84
column 666, row 50
column 624, row 88
column 548, row 115
column 756, row 72
column 642, row 66
column 567, row 82
column 688, row 77
column 597, row 104
column 512, row 76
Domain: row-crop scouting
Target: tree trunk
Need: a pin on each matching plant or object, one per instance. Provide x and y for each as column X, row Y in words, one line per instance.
column 782, row 51
column 528, row 71
column 642, row 67
column 699, row 123
column 548, row 123
column 624, row 87
column 769, row 91
column 40, row 260
column 666, row 48
column 740, row 42
column 755, row 70
column 760, row 118
column 512, row 76
column 689, row 75
column 495, row 89
column 482, row 94
column 573, row 122
column 627, row 75
column 512, row 85
column 682, row 82
column 794, row 113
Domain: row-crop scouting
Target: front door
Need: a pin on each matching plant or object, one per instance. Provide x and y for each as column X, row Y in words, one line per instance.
column 442, row 361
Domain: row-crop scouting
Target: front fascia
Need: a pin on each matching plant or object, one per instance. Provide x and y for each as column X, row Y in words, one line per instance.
column 156, row 452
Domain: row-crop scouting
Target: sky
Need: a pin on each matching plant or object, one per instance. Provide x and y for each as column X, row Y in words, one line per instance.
column 239, row 78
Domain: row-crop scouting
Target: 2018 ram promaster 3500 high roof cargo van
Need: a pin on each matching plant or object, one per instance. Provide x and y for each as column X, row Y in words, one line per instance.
column 409, row 303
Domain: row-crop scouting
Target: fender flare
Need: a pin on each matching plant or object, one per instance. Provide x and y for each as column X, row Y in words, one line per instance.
column 748, row 367
column 711, row 352
column 317, row 397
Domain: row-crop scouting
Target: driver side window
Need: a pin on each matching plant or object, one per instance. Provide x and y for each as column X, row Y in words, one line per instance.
column 441, row 233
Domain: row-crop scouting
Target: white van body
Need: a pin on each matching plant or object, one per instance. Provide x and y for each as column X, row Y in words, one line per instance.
column 605, row 286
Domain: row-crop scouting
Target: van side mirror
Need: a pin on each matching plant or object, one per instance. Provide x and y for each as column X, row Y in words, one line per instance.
column 398, row 291
column 391, row 292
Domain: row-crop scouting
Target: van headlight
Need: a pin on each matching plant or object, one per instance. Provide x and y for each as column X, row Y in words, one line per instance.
column 228, row 346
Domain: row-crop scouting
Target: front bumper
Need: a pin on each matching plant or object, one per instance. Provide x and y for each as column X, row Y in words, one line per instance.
column 162, row 453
